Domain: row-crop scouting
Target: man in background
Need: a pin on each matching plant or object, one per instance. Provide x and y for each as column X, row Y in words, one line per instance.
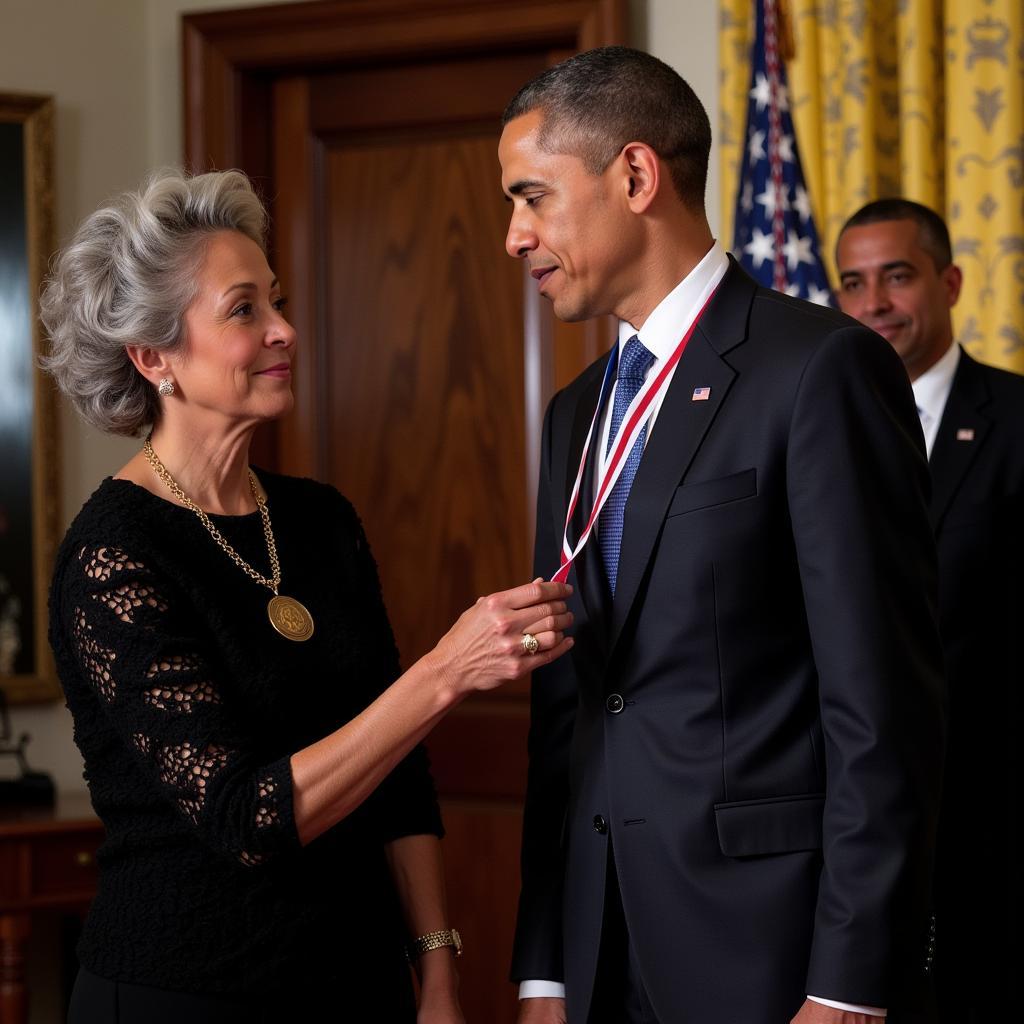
column 734, row 780
column 897, row 276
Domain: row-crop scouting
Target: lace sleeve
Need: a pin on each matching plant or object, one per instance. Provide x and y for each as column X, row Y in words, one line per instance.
column 154, row 683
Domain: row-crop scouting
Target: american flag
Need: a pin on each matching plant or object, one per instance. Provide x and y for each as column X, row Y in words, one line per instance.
column 775, row 239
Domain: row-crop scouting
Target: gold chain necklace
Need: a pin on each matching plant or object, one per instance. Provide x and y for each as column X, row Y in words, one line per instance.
column 289, row 617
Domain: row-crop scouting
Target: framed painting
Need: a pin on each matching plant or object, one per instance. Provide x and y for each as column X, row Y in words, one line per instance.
column 29, row 450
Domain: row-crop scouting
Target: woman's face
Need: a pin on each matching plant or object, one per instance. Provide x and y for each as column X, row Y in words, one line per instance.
column 236, row 361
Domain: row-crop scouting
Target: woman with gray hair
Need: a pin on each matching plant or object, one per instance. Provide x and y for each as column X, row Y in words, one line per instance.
column 272, row 830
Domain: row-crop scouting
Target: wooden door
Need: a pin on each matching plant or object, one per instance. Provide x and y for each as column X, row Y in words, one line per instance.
column 426, row 357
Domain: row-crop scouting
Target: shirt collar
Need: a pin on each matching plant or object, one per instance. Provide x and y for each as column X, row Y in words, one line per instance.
column 661, row 332
column 932, row 388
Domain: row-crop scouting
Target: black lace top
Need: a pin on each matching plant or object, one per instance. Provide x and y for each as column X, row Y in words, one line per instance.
column 187, row 706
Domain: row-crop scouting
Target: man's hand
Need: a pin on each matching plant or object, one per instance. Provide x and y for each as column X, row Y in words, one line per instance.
column 818, row 1013
column 541, row 1010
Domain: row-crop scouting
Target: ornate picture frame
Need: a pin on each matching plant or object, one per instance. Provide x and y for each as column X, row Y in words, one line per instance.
column 29, row 442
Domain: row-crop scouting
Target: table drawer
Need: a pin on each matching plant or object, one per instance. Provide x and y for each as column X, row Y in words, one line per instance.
column 64, row 866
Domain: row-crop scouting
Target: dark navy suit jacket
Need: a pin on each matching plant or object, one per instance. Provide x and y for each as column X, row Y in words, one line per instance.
column 770, row 777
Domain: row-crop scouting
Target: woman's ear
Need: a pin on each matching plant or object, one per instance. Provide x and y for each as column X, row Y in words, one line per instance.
column 152, row 363
column 642, row 174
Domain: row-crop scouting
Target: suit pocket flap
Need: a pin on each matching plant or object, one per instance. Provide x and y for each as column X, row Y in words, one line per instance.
column 749, row 828
column 691, row 497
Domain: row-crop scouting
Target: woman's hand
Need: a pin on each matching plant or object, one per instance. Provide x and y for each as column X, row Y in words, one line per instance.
column 485, row 646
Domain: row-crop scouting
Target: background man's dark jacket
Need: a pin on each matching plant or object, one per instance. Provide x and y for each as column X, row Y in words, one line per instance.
column 977, row 509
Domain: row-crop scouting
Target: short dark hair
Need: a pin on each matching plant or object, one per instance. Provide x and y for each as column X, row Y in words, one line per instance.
column 597, row 101
column 931, row 228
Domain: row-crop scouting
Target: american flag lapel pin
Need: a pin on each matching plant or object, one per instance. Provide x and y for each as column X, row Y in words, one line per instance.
column 701, row 394
column 965, row 434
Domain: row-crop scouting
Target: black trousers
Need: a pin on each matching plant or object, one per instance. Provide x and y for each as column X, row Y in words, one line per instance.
column 619, row 993
column 96, row 1000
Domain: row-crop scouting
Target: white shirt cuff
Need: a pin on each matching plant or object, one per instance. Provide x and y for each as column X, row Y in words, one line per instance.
column 871, row 1011
column 536, row 989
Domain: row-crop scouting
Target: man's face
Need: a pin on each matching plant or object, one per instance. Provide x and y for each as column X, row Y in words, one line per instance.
column 572, row 226
column 890, row 283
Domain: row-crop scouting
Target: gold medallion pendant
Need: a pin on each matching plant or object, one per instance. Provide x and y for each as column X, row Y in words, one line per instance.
column 290, row 618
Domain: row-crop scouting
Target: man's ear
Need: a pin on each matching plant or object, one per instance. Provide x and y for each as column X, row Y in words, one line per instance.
column 641, row 171
column 952, row 281
column 152, row 363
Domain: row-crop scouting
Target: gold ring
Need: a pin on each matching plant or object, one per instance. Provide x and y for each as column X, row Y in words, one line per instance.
column 531, row 645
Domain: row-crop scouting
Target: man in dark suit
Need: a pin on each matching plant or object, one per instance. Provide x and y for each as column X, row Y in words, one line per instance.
column 734, row 780
column 898, row 277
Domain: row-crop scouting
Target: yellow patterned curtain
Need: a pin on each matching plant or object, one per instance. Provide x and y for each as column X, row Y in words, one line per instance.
column 921, row 98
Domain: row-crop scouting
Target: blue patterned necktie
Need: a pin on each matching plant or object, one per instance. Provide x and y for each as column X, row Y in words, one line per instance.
column 634, row 363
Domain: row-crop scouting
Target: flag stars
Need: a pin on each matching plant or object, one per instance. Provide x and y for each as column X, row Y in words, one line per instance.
column 769, row 199
column 774, row 237
column 802, row 203
column 760, row 248
column 819, row 296
column 797, row 250
column 761, row 94
column 756, row 146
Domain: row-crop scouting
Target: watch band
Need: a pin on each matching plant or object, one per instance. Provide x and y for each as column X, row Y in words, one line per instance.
column 434, row 940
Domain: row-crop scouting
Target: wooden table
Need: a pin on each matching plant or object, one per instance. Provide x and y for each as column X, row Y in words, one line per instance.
column 47, row 862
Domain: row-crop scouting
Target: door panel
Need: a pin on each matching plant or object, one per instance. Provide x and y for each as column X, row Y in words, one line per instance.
column 425, row 364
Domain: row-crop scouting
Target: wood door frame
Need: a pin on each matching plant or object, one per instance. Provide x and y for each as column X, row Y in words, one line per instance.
column 225, row 52
column 229, row 57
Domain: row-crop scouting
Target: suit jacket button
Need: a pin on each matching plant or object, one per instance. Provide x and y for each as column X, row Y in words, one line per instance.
column 600, row 825
column 614, row 703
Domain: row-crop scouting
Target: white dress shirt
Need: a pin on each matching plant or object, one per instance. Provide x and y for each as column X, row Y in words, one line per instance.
column 931, row 391
column 665, row 327
column 660, row 334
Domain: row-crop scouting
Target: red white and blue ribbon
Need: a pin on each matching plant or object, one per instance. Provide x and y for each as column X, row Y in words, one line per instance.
column 610, row 467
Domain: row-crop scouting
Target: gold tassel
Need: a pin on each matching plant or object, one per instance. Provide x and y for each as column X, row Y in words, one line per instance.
column 787, row 39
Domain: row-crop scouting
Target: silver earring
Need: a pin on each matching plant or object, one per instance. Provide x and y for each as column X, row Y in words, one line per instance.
column 166, row 387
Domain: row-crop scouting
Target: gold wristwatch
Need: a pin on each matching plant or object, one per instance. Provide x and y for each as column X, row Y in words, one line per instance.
column 434, row 940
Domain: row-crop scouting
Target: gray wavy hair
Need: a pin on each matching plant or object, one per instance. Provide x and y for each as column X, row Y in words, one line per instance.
column 127, row 278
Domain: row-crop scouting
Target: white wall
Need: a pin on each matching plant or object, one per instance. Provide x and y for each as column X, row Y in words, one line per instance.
column 684, row 33
column 114, row 67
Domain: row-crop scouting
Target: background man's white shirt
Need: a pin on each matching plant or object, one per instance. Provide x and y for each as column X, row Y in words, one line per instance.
column 931, row 391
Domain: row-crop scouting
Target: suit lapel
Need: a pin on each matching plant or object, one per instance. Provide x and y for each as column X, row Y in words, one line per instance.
column 961, row 433
column 678, row 432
